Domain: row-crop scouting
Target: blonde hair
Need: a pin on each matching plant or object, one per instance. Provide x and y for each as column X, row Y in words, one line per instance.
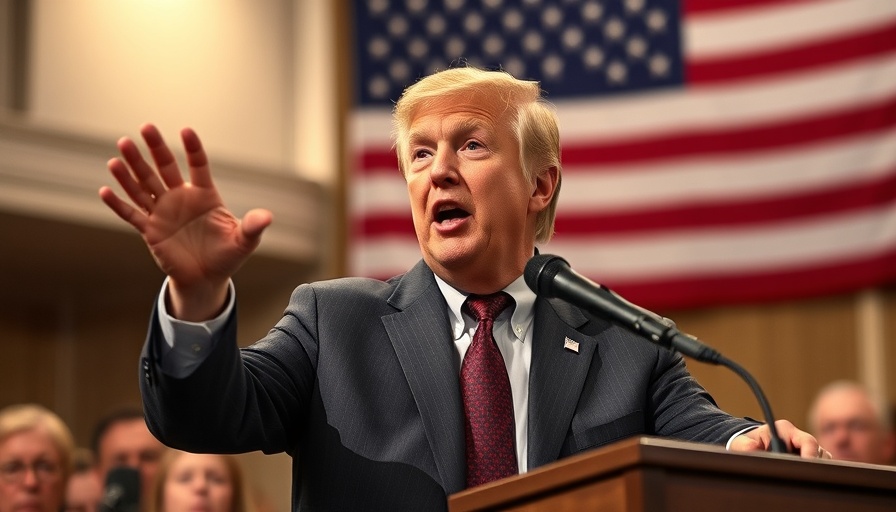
column 533, row 121
column 241, row 501
column 18, row 418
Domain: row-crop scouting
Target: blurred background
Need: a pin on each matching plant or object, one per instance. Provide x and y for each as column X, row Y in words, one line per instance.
column 732, row 167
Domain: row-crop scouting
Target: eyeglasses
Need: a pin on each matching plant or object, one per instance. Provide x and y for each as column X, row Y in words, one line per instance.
column 14, row 472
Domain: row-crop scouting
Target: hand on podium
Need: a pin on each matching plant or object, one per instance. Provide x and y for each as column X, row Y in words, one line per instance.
column 797, row 441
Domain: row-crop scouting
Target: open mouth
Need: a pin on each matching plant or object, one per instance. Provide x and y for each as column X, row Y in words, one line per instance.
column 449, row 214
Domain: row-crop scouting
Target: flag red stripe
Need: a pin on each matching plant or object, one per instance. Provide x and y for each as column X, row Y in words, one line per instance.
column 375, row 225
column 865, row 119
column 377, row 160
column 769, row 209
column 692, row 7
column 762, row 286
column 807, row 56
column 826, row 201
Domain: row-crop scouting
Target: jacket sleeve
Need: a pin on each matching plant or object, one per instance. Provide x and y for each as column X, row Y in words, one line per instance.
column 236, row 400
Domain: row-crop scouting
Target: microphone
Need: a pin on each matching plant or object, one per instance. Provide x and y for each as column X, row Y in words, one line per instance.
column 121, row 492
column 551, row 276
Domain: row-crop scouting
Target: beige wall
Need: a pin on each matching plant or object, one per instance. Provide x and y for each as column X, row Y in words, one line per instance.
column 104, row 67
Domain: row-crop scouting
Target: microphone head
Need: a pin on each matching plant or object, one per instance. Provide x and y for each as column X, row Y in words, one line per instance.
column 540, row 272
column 121, row 492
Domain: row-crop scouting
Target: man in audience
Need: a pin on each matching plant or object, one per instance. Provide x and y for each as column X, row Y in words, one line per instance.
column 122, row 439
column 847, row 420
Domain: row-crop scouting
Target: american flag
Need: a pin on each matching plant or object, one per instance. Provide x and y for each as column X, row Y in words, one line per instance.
column 714, row 151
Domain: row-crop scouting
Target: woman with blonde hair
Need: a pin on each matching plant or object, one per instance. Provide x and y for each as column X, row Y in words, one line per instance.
column 191, row 482
column 35, row 459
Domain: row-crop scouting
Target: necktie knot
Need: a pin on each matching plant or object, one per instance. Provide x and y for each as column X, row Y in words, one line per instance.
column 487, row 307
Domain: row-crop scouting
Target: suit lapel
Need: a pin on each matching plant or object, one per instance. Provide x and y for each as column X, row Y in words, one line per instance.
column 421, row 336
column 556, row 377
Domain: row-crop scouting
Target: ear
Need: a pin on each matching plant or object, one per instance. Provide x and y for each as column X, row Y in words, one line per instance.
column 545, row 187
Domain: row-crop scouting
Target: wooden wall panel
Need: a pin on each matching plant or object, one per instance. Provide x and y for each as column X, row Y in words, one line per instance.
column 791, row 348
column 889, row 298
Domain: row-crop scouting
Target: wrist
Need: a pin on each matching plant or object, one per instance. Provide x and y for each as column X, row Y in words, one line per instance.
column 196, row 303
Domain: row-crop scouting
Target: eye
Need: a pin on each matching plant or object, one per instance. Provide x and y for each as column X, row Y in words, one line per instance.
column 218, row 478
column 473, row 145
column 421, row 153
column 183, row 476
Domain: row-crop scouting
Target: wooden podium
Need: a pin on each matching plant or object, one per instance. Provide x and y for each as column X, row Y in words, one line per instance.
column 659, row 475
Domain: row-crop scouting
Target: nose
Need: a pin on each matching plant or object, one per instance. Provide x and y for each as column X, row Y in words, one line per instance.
column 30, row 478
column 444, row 169
column 839, row 438
column 200, row 484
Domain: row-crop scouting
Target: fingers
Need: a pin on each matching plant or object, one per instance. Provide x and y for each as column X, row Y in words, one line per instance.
column 146, row 177
column 138, row 193
column 803, row 441
column 200, row 174
column 162, row 156
column 127, row 212
column 812, row 450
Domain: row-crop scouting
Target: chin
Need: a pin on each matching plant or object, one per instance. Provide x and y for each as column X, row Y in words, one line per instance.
column 452, row 255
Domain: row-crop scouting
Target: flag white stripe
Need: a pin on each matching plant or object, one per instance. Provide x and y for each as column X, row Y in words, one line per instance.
column 734, row 31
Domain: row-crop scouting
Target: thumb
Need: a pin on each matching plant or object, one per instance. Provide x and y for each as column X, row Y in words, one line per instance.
column 746, row 443
column 253, row 224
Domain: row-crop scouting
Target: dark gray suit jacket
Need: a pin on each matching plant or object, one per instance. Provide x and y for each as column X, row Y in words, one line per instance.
column 359, row 383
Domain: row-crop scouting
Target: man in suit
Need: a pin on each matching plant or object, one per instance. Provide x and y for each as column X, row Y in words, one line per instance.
column 367, row 383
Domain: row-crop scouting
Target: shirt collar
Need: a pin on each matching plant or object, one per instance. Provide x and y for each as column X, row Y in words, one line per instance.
column 521, row 319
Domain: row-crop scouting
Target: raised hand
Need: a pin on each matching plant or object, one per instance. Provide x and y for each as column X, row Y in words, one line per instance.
column 192, row 236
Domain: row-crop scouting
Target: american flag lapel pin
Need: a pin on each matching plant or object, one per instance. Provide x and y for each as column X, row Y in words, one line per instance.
column 569, row 344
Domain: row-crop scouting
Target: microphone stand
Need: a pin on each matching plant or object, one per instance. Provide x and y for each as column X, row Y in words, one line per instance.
column 777, row 445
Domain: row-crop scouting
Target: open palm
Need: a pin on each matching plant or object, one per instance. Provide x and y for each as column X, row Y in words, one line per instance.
column 194, row 239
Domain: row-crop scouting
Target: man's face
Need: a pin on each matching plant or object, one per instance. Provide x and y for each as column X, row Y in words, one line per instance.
column 845, row 423
column 474, row 211
column 129, row 443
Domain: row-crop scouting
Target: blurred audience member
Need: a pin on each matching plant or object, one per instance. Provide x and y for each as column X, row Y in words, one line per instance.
column 848, row 421
column 187, row 482
column 35, row 459
column 122, row 439
column 83, row 492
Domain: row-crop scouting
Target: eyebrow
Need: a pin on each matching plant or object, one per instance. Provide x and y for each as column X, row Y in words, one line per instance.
column 463, row 127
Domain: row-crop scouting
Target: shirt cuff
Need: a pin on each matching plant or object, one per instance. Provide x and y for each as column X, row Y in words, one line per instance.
column 741, row 432
column 188, row 343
